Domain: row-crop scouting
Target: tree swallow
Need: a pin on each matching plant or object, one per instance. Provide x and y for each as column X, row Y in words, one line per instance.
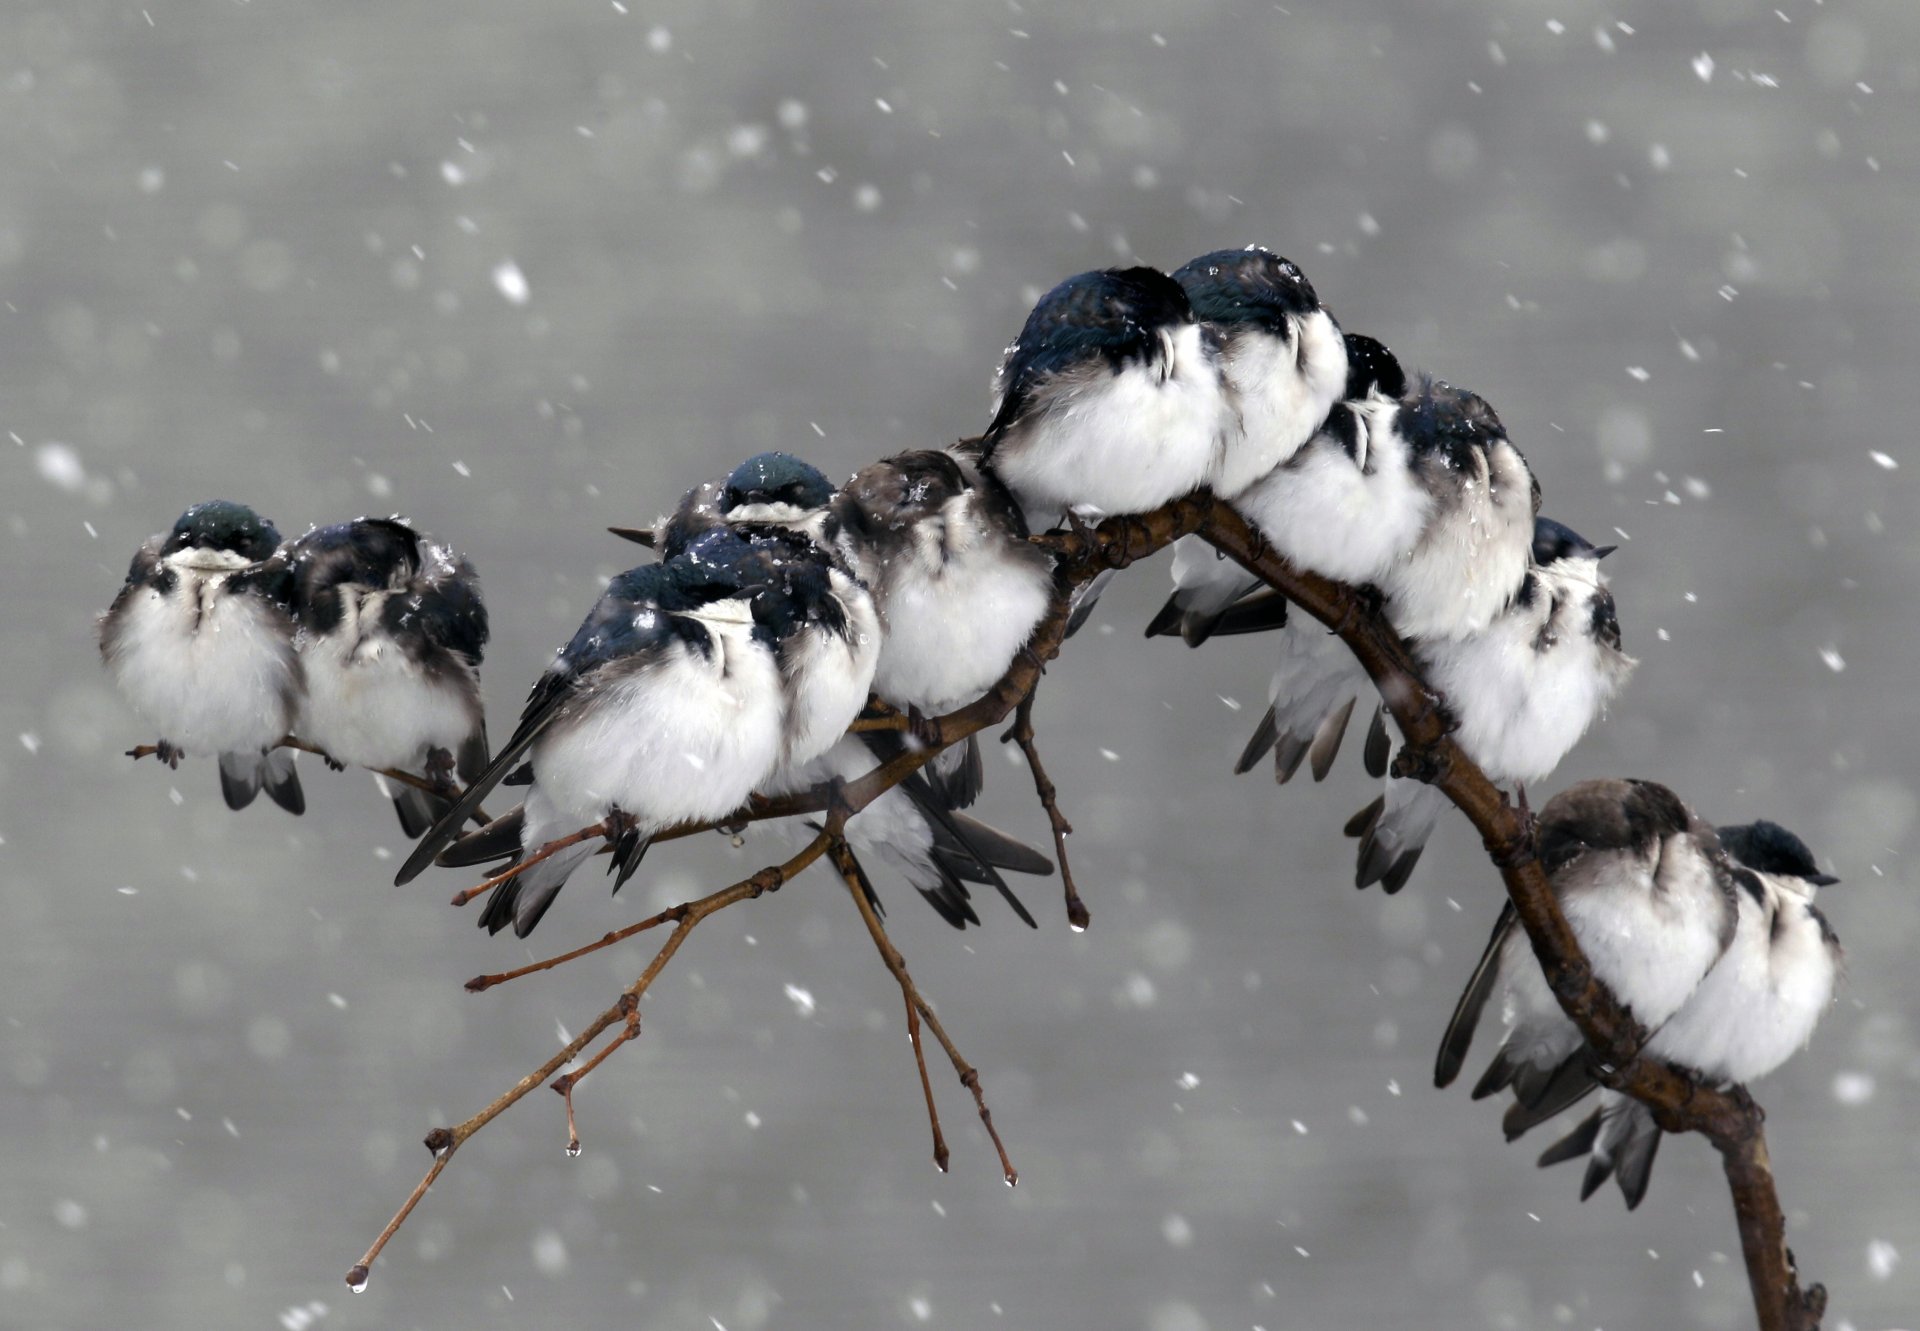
column 1282, row 356
column 1207, row 586
column 666, row 706
column 1414, row 490
column 201, row 643
column 959, row 588
column 391, row 629
column 1751, row 1013
column 1111, row 400
column 767, row 490
column 1650, row 896
column 1522, row 693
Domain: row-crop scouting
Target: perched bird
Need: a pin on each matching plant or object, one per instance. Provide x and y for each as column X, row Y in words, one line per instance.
column 1652, row 899
column 391, row 630
column 201, row 643
column 959, row 588
column 1110, row 401
column 1751, row 1013
column 938, row 850
column 767, row 490
column 1521, row 692
column 830, row 638
column 666, row 706
column 1414, row 490
column 1282, row 356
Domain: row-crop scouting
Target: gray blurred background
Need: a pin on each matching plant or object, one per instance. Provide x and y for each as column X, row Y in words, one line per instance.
column 520, row 271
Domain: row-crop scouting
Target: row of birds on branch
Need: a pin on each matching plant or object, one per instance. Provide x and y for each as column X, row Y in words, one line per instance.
column 735, row 666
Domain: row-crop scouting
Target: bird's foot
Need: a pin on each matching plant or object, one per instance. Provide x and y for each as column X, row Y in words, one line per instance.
column 439, row 771
column 926, row 730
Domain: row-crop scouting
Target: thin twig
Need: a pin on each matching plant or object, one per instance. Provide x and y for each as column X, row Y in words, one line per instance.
column 1021, row 733
column 856, row 880
column 547, row 851
column 849, row 867
column 565, row 1083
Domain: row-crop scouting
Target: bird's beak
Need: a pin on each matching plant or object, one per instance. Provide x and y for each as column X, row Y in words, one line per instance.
column 1822, row 879
column 1601, row 552
column 638, row 535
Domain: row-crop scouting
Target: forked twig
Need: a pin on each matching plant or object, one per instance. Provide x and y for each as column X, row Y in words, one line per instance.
column 565, row 1082
column 445, row 1141
column 855, row 878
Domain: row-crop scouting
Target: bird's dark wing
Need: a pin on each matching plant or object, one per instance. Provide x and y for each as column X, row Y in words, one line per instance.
column 1473, row 1001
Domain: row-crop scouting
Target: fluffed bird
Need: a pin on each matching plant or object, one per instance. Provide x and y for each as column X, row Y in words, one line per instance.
column 767, row 490
column 1344, row 503
column 200, row 642
column 666, row 706
column 1411, row 488
column 1110, row 401
column 1755, row 1009
column 391, row 630
column 1521, row 693
column 1281, row 355
column 959, row 588
column 1652, row 899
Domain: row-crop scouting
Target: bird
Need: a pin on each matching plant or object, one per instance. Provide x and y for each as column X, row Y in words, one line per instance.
column 391, row 630
column 1521, row 693
column 1752, row 1012
column 1409, row 487
column 1341, row 504
column 959, row 589
column 1282, row 357
column 1650, row 895
column 1318, row 681
column 1110, row 401
column 770, row 489
column 200, row 641
column 911, row 826
column 667, row 705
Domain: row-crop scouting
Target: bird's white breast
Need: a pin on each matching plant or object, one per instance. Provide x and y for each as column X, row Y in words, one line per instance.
column 214, row 672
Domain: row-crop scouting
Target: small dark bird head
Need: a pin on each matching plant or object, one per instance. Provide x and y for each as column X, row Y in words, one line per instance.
column 221, row 524
column 1441, row 420
column 1554, row 541
column 776, row 478
column 1371, row 368
column 1770, row 848
column 715, row 566
column 1115, row 315
column 1253, row 286
column 885, row 498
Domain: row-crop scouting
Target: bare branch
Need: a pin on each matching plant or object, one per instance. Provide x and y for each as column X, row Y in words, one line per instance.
column 1730, row 1119
column 849, row 867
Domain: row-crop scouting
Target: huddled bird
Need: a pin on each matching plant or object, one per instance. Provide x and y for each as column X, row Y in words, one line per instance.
column 1282, row 357
column 1752, row 1012
column 1521, row 693
column 1651, row 896
column 666, row 706
column 1110, row 401
column 391, row 630
column 959, row 588
column 201, row 642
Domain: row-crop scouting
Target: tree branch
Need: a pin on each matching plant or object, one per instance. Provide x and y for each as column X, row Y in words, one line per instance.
column 1729, row 1119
